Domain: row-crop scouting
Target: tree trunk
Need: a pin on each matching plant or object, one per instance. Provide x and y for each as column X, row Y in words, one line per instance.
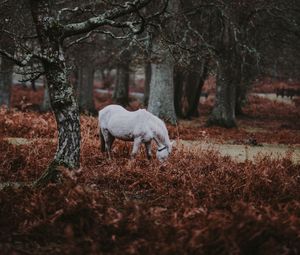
column 161, row 100
column 228, row 69
column 241, row 92
column 61, row 93
column 86, row 88
column 46, row 106
column 248, row 72
column 122, row 85
column 178, row 91
column 6, row 71
column 147, row 83
column 194, row 96
column 223, row 113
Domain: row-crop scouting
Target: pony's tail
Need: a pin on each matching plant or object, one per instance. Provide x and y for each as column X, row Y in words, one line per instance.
column 102, row 141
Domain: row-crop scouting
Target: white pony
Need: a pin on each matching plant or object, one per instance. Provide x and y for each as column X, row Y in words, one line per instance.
column 139, row 126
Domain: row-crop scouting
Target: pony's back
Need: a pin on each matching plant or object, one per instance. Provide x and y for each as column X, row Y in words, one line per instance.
column 109, row 111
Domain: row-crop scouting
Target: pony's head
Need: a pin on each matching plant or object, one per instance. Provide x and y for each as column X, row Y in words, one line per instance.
column 164, row 151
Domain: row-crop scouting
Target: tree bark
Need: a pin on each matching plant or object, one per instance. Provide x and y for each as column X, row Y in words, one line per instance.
column 178, row 91
column 46, row 106
column 241, row 92
column 121, row 91
column 161, row 99
column 147, row 83
column 248, row 72
column 195, row 93
column 61, row 93
column 6, row 71
column 86, row 88
column 223, row 113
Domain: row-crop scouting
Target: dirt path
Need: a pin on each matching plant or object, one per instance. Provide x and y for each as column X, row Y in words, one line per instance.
column 241, row 153
column 274, row 97
column 238, row 152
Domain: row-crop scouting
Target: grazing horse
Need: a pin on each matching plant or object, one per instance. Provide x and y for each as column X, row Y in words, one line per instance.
column 139, row 126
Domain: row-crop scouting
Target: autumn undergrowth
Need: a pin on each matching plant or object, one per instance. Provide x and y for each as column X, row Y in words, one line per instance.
column 195, row 203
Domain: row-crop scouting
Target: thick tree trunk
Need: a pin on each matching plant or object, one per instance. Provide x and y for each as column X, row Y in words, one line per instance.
column 6, row 71
column 248, row 73
column 61, row 93
column 147, row 83
column 223, row 113
column 86, row 88
column 228, row 70
column 121, row 91
column 194, row 95
column 178, row 91
column 161, row 100
column 66, row 113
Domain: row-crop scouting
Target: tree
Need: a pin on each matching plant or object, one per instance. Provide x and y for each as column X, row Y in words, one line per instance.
column 6, row 71
column 249, row 31
column 51, row 32
column 121, row 92
column 86, row 87
column 147, row 68
column 83, row 58
column 188, row 87
column 6, row 41
column 161, row 99
column 223, row 113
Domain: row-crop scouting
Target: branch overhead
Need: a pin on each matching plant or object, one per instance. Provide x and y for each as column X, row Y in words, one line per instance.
column 107, row 18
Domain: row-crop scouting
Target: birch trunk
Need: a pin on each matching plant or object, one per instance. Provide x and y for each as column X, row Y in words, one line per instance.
column 61, row 93
column 6, row 71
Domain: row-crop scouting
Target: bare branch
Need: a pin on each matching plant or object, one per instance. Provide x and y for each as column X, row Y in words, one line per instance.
column 15, row 60
column 15, row 36
column 27, row 59
column 89, row 34
column 106, row 18
column 33, row 76
column 60, row 12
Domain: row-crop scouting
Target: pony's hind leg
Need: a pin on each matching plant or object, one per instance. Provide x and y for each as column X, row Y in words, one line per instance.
column 108, row 139
column 102, row 141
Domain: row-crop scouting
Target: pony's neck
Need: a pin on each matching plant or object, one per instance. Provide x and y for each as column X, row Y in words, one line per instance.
column 161, row 140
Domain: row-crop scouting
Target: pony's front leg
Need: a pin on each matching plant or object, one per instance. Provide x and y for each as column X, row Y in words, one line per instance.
column 148, row 149
column 136, row 145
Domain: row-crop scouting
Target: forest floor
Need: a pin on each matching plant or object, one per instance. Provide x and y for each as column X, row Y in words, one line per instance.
column 201, row 201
